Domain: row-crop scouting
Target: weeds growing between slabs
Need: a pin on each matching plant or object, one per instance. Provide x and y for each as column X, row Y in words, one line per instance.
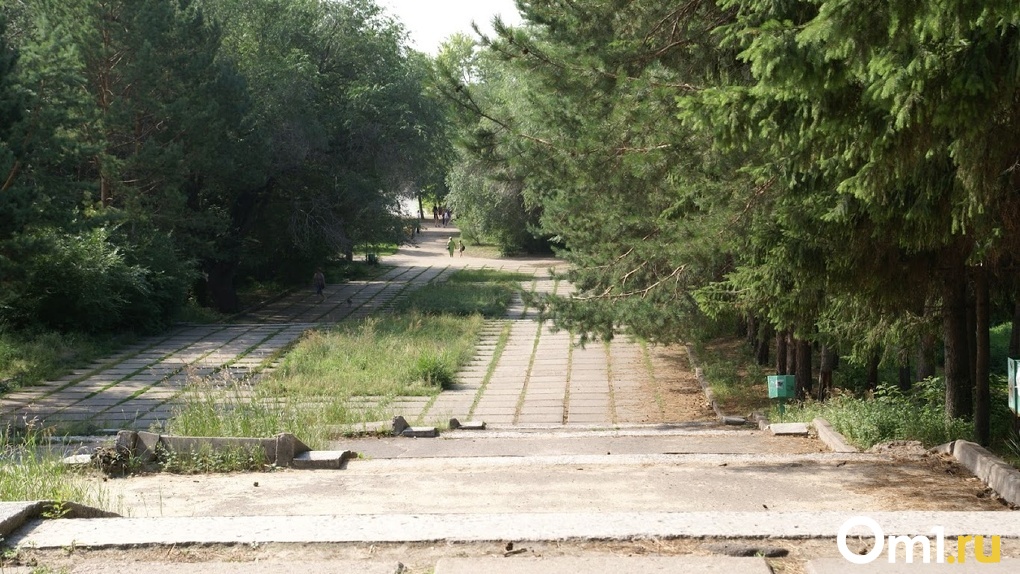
column 30, row 469
column 336, row 378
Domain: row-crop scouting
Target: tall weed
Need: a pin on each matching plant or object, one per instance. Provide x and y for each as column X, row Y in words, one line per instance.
column 31, row 469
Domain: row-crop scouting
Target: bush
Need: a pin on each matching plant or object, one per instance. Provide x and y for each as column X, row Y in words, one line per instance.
column 92, row 281
column 890, row 415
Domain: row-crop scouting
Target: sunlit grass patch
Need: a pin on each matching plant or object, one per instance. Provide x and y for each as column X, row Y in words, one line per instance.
column 30, row 469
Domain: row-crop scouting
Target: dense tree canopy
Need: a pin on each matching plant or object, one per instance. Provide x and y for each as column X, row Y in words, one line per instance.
column 158, row 149
column 838, row 172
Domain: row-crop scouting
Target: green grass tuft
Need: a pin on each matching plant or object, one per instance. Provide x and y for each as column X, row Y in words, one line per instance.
column 31, row 469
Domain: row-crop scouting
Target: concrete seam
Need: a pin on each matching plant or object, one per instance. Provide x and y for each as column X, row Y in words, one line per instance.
column 527, row 375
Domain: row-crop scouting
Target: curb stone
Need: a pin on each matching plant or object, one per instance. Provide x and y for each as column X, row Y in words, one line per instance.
column 15, row 514
column 999, row 476
column 832, row 439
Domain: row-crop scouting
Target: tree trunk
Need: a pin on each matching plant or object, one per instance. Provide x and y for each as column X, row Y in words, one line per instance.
column 971, row 337
column 220, row 283
column 905, row 382
column 791, row 353
column 781, row 352
column 926, row 361
column 803, row 374
column 983, row 397
column 872, row 376
column 827, row 365
column 762, row 352
column 752, row 331
column 1014, row 333
column 954, row 324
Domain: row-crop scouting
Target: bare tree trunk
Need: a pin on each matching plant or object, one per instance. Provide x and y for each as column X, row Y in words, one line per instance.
column 781, row 352
column 872, row 376
column 762, row 352
column 220, row 284
column 971, row 338
column 804, row 375
column 926, row 357
column 983, row 397
column 958, row 372
column 827, row 365
column 904, row 382
column 791, row 353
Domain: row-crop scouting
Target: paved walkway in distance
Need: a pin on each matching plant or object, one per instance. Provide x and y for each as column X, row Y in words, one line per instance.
column 540, row 377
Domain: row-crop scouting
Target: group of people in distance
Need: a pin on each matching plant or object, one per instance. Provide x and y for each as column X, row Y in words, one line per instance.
column 441, row 215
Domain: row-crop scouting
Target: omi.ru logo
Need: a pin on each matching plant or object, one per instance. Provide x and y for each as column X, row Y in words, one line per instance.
column 914, row 545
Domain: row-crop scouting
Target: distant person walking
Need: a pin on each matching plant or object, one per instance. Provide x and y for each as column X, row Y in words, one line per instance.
column 450, row 246
column 319, row 281
column 460, row 247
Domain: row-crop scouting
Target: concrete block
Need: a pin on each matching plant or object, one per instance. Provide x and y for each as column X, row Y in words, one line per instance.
column 285, row 448
column 999, row 476
column 789, row 429
column 126, row 440
column 322, row 459
column 466, row 425
column 420, row 432
column 946, row 448
column 399, row 425
column 830, row 437
column 733, row 421
column 77, row 460
column 145, row 446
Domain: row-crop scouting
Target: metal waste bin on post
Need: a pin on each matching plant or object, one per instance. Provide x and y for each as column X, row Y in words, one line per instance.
column 782, row 387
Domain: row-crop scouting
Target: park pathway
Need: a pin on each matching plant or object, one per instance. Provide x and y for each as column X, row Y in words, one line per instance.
column 601, row 458
column 538, row 377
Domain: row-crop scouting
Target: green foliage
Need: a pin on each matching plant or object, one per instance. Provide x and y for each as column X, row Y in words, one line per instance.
column 208, row 460
column 28, row 358
column 466, row 292
column 187, row 144
column 31, row 469
column 869, row 421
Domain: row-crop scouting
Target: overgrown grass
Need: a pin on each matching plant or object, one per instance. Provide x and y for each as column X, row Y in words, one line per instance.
column 31, row 470
column 737, row 381
column 337, row 378
column 208, row 460
column 29, row 358
column 311, row 392
column 468, row 291
column 405, row 354
column 488, row 276
column 888, row 415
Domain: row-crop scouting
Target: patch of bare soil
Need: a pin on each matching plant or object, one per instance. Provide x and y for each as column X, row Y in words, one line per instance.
column 915, row 479
column 673, row 393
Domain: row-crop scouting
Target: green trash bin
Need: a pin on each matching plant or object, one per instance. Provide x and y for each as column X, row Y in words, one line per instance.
column 782, row 386
column 372, row 258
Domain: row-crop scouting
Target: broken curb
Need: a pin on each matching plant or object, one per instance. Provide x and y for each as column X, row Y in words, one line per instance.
column 466, row 425
column 282, row 450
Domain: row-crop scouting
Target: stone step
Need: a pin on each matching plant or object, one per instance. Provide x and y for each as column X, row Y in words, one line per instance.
column 523, row 528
